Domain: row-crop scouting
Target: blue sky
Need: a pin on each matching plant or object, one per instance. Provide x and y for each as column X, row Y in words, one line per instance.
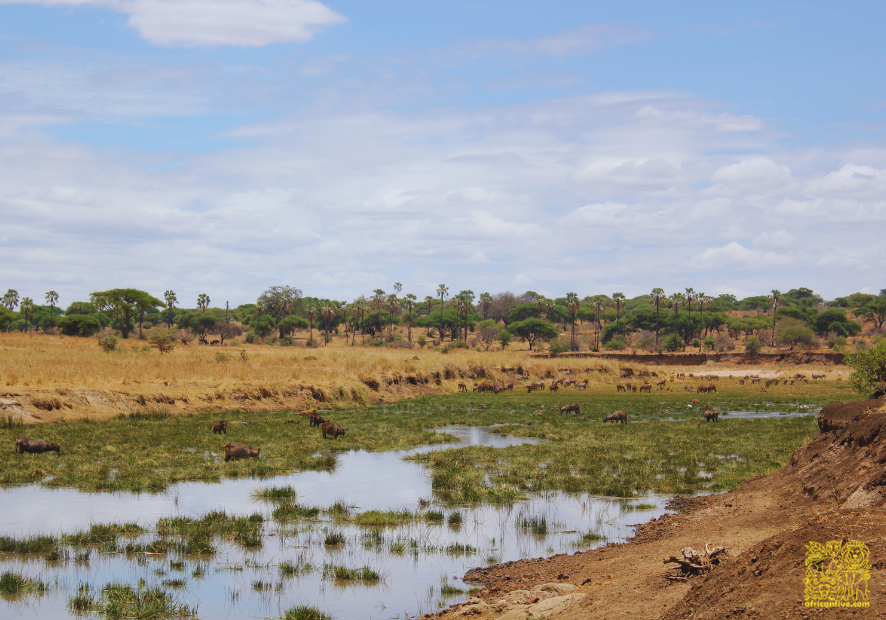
column 223, row 146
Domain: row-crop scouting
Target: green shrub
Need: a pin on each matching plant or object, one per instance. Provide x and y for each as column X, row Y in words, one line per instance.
column 752, row 345
column 108, row 344
column 869, row 369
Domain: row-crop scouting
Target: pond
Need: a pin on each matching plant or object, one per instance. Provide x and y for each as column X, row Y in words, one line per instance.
column 418, row 562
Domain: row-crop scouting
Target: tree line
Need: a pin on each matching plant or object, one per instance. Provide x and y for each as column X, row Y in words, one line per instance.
column 656, row 321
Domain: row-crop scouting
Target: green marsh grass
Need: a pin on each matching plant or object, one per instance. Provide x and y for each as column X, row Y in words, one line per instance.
column 334, row 539
column 339, row 572
column 447, row 589
column 304, row 612
column 17, row 583
column 120, row 600
column 295, row 568
column 275, row 494
column 460, row 549
column 293, row 512
column 380, row 518
column 30, row 544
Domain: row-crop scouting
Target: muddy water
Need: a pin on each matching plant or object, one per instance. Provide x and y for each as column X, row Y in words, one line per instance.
column 414, row 559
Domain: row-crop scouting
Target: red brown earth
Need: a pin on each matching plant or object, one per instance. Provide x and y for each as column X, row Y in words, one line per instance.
column 833, row 488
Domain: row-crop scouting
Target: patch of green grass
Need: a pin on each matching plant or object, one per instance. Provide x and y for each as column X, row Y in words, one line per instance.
column 275, row 494
column 30, row 544
column 120, row 600
column 299, row 567
column 334, row 539
column 591, row 538
column 338, row 572
column 460, row 549
column 303, row 612
column 637, row 507
column 384, row 517
column 17, row 583
column 293, row 512
column 434, row 516
column 103, row 534
column 538, row 525
column 454, row 518
column 447, row 589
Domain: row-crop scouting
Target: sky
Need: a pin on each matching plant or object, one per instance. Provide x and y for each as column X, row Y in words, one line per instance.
column 225, row 146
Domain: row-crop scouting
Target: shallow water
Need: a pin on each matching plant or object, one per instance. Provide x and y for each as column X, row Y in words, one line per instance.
column 413, row 559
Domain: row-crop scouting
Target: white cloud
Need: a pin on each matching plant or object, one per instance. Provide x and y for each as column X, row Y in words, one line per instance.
column 851, row 179
column 733, row 255
column 580, row 41
column 776, row 239
column 760, row 173
column 600, row 214
column 719, row 122
column 247, row 23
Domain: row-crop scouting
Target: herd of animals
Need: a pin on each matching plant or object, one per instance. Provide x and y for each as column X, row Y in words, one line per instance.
column 242, row 451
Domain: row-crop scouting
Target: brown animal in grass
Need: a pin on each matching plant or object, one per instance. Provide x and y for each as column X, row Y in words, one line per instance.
column 462, row 387
column 619, row 388
column 315, row 420
column 311, row 411
column 331, row 428
column 618, row 416
column 646, row 387
column 240, row 451
column 220, row 427
column 711, row 415
column 35, row 446
column 571, row 408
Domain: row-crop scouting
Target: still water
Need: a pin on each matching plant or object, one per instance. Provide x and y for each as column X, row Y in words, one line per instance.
column 414, row 560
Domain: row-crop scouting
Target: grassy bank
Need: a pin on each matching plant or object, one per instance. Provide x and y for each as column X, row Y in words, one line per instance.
column 150, row 450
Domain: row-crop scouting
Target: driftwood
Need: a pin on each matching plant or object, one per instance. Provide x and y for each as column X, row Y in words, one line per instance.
column 693, row 563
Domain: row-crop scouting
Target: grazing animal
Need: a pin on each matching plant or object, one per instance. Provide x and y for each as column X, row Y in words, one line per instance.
column 618, row 416
column 646, row 387
column 220, row 427
column 555, row 387
column 315, row 420
column 619, row 388
column 35, row 446
column 462, row 387
column 240, row 451
column 538, row 385
column 711, row 414
column 581, row 385
column 331, row 428
column 570, row 408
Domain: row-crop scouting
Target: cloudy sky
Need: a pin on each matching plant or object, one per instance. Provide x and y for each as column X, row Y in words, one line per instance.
column 223, row 146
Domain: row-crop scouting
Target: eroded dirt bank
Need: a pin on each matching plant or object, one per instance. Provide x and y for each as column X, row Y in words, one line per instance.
column 834, row 487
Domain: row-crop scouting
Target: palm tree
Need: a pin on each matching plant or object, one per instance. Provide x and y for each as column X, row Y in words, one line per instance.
column 328, row 310
column 409, row 302
column 572, row 304
column 202, row 302
column 775, row 300
column 702, row 301
column 10, row 299
column 442, row 293
column 378, row 299
column 27, row 311
column 311, row 312
column 467, row 306
column 429, row 300
column 392, row 305
column 656, row 298
column 618, row 301
column 171, row 300
column 598, row 307
column 51, row 299
column 690, row 297
column 678, row 300
column 397, row 288
column 361, row 307
column 485, row 303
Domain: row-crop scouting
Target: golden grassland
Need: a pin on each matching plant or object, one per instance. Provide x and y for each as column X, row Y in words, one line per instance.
column 46, row 377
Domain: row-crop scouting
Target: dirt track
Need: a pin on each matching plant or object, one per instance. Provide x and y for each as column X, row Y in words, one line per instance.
column 833, row 488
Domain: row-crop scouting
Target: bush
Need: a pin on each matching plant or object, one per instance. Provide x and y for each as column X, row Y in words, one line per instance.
column 162, row 340
column 616, row 343
column 709, row 342
column 752, row 345
column 723, row 343
column 185, row 337
column 870, row 370
column 673, row 343
column 422, row 341
column 79, row 325
column 504, row 338
column 251, row 338
column 108, row 344
column 792, row 332
column 558, row 347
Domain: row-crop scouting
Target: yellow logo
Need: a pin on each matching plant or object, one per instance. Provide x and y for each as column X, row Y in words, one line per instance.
column 837, row 574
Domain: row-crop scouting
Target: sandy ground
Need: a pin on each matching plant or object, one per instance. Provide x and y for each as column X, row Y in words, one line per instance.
column 834, row 488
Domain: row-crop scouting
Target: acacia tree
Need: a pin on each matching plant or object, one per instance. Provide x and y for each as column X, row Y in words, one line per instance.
column 125, row 304
column 656, row 298
column 171, row 300
column 572, row 305
column 442, row 293
column 775, row 299
column 51, row 299
column 203, row 302
column 533, row 329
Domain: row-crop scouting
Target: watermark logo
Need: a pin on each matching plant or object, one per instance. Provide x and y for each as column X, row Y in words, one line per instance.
column 837, row 574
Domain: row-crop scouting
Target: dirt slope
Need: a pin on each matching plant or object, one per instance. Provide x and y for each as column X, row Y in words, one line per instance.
column 833, row 487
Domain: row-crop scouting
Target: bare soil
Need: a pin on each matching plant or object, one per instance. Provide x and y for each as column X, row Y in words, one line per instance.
column 833, row 488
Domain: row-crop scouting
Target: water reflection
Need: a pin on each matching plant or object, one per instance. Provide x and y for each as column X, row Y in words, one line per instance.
column 413, row 559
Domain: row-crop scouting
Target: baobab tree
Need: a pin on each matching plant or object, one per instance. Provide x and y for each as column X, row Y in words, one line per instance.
column 656, row 298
